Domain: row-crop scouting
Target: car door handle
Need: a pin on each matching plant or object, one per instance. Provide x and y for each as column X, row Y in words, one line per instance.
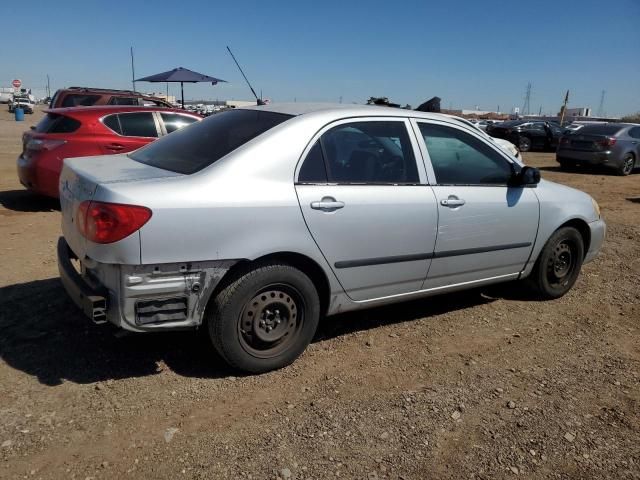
column 115, row 146
column 452, row 202
column 327, row 204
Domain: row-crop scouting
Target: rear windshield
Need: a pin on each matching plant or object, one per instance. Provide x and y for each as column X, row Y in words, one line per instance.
column 600, row 129
column 203, row 143
column 54, row 123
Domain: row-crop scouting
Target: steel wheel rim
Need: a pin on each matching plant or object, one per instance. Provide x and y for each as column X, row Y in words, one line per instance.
column 627, row 167
column 561, row 264
column 270, row 321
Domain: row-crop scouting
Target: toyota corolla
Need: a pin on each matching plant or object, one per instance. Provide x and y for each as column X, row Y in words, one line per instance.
column 256, row 223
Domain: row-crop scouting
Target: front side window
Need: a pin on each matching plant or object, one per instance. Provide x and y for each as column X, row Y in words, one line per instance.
column 192, row 149
column 377, row 152
column 461, row 159
column 138, row 124
column 175, row 121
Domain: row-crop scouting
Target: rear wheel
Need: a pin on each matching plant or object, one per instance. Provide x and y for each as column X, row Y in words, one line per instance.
column 627, row 166
column 559, row 263
column 566, row 164
column 524, row 144
column 265, row 318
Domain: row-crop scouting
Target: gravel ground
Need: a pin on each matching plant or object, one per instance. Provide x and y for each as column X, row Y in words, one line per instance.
column 483, row 384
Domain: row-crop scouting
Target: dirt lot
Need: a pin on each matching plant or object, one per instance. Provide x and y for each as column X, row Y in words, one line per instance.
column 484, row 384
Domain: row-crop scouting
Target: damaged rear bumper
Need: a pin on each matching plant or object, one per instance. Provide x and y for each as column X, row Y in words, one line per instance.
column 141, row 297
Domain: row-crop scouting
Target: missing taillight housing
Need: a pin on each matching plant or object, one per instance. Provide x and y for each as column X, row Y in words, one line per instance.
column 37, row 144
column 103, row 222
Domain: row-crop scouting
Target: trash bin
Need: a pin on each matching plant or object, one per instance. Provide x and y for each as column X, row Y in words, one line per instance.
column 19, row 114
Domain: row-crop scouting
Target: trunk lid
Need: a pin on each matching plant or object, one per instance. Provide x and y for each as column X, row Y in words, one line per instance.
column 79, row 181
column 588, row 143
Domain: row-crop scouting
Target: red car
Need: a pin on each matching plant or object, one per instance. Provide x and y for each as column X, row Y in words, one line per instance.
column 87, row 131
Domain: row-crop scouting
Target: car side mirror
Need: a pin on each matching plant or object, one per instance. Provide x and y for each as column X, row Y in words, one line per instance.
column 527, row 177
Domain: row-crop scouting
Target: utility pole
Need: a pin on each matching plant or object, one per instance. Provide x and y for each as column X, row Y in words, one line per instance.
column 601, row 106
column 540, row 111
column 48, row 87
column 527, row 101
column 564, row 107
column 133, row 72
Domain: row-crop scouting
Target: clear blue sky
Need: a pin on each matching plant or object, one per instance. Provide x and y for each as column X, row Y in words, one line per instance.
column 473, row 52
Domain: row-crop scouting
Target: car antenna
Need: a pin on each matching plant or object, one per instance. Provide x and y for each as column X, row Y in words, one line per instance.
column 259, row 100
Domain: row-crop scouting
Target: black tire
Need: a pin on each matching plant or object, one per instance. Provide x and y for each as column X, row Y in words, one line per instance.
column 627, row 166
column 559, row 263
column 264, row 318
column 566, row 164
column 524, row 143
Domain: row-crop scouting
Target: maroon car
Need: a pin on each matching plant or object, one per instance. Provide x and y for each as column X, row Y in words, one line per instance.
column 87, row 131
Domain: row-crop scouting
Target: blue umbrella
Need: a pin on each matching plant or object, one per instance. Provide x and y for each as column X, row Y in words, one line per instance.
column 182, row 75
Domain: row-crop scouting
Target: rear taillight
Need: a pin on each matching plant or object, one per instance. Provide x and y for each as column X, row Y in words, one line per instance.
column 607, row 142
column 102, row 222
column 36, row 144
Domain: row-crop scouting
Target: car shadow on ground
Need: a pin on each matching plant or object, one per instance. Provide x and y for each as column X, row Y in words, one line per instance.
column 25, row 201
column 634, row 199
column 45, row 335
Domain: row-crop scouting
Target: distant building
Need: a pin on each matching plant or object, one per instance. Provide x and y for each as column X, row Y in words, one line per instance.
column 240, row 103
column 577, row 112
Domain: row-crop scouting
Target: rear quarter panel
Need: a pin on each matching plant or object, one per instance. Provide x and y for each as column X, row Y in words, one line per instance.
column 242, row 207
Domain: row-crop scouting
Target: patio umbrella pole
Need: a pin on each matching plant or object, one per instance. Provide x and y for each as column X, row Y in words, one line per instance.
column 182, row 91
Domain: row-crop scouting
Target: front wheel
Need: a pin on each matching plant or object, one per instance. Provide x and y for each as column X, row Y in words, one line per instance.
column 265, row 318
column 559, row 263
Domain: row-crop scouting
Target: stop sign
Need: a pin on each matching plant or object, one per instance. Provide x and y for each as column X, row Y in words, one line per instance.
column 16, row 83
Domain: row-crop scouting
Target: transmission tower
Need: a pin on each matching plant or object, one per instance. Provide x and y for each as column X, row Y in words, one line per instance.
column 601, row 106
column 527, row 101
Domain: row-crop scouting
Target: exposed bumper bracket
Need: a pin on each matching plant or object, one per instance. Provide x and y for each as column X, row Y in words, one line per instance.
column 91, row 299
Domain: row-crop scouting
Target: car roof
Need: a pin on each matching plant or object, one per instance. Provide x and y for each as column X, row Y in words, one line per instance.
column 346, row 110
column 99, row 109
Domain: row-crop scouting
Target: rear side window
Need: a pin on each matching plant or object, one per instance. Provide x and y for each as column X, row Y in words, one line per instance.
column 113, row 123
column 79, row 100
column 377, row 152
column 138, row 124
column 313, row 169
column 123, row 101
column 54, row 123
column 635, row 132
column 194, row 148
column 175, row 121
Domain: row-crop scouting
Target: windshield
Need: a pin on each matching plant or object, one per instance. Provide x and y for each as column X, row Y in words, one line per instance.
column 204, row 143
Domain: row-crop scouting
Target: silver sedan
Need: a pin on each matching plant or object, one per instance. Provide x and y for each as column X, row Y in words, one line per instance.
column 258, row 222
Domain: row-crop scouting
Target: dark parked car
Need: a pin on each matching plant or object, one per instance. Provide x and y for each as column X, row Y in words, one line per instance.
column 615, row 145
column 528, row 135
column 88, row 96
